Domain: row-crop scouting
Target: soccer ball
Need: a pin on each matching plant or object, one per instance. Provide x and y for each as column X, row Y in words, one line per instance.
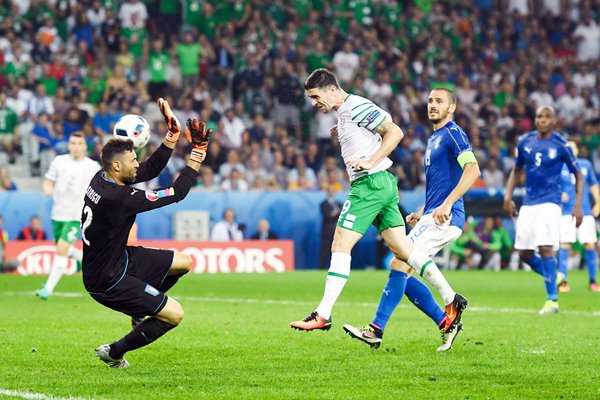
column 134, row 128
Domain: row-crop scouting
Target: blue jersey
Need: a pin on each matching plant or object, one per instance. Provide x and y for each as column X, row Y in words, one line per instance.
column 543, row 160
column 568, row 187
column 442, row 169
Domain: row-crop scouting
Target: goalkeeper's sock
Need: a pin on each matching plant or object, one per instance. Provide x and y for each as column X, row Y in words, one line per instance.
column 169, row 282
column 143, row 334
column 391, row 297
column 420, row 295
column 563, row 259
column 536, row 264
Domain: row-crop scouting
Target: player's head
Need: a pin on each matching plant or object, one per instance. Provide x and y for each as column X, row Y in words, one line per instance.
column 119, row 160
column 441, row 104
column 545, row 118
column 322, row 86
column 77, row 145
column 573, row 147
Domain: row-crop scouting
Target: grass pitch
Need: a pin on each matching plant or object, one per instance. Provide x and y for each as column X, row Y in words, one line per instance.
column 235, row 342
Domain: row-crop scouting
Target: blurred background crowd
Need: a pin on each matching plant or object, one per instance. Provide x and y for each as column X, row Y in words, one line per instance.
column 70, row 65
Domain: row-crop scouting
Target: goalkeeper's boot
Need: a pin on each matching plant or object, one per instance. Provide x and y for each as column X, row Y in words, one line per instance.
column 42, row 293
column 454, row 312
column 311, row 322
column 448, row 337
column 102, row 352
column 550, row 307
column 368, row 334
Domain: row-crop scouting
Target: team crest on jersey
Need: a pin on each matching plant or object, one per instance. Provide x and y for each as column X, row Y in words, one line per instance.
column 552, row 153
column 153, row 195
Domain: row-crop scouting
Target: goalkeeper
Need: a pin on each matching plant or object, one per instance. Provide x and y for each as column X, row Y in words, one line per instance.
column 129, row 279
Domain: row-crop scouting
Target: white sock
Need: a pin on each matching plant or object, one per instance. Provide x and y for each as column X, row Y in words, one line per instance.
column 75, row 253
column 58, row 268
column 425, row 267
column 337, row 276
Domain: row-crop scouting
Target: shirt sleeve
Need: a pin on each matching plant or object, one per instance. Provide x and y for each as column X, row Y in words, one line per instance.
column 368, row 115
column 150, row 168
column 519, row 159
column 136, row 201
column 569, row 159
column 52, row 173
column 457, row 141
column 591, row 175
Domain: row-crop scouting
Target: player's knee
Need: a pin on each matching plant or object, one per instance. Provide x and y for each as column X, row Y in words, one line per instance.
column 176, row 316
column 182, row 263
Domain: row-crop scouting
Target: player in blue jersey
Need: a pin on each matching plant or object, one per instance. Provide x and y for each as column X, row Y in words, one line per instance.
column 450, row 170
column 586, row 232
column 541, row 155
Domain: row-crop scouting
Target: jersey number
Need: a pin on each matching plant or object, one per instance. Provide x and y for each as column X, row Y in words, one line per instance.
column 538, row 159
column 87, row 211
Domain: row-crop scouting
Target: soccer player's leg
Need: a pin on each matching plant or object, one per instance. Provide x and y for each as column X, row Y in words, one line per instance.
column 568, row 232
column 586, row 234
column 546, row 237
column 427, row 269
column 524, row 242
column 355, row 218
column 180, row 266
column 65, row 234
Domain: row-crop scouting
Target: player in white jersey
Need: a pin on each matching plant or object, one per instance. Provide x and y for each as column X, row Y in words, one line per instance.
column 66, row 181
column 367, row 136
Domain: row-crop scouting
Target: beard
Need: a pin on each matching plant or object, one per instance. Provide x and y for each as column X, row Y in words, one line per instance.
column 128, row 180
column 441, row 116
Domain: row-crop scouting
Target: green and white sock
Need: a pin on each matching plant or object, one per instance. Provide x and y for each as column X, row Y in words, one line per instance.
column 431, row 273
column 56, row 272
column 337, row 276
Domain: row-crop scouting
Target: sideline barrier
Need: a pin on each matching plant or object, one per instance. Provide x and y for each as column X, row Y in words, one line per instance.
column 249, row 256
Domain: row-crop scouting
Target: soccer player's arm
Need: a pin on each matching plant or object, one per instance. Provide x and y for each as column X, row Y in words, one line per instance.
column 50, row 178
column 467, row 161
column 378, row 121
column 574, row 168
column 594, row 190
column 514, row 177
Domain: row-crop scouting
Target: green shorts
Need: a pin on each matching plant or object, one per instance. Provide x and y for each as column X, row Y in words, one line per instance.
column 373, row 199
column 66, row 230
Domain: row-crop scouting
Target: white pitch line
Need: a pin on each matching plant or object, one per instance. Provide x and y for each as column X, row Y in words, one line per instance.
column 502, row 310
column 34, row 396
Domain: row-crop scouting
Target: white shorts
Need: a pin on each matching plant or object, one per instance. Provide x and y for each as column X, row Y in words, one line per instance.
column 430, row 238
column 538, row 225
column 586, row 233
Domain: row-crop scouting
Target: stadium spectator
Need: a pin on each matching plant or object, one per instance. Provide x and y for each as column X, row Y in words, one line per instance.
column 8, row 128
column 227, row 229
column 264, row 231
column 6, row 183
column 33, row 231
column 492, row 176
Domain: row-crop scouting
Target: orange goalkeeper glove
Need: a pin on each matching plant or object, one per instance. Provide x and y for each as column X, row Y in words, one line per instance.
column 198, row 136
column 173, row 125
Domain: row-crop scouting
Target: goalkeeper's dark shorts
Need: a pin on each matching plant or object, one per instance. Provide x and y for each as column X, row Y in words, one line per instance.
column 138, row 292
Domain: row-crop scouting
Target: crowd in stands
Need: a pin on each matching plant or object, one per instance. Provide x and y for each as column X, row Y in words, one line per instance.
column 70, row 66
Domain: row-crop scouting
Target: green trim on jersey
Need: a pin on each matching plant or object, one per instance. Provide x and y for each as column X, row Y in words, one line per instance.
column 465, row 158
column 377, row 126
column 67, row 231
column 360, row 105
column 373, row 199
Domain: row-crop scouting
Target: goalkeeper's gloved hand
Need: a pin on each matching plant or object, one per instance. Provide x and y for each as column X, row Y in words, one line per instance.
column 173, row 125
column 198, row 136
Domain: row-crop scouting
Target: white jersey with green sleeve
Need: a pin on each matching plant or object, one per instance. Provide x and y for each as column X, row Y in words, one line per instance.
column 71, row 179
column 357, row 120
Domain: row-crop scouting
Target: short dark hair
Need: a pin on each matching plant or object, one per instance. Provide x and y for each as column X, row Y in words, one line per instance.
column 113, row 148
column 451, row 95
column 321, row 78
column 78, row 134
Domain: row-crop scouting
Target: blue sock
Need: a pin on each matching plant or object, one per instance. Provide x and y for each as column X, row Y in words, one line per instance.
column 591, row 260
column 550, row 277
column 563, row 259
column 392, row 294
column 420, row 295
column 536, row 264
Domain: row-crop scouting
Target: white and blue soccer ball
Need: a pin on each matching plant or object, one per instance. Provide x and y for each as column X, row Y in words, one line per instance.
column 133, row 127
